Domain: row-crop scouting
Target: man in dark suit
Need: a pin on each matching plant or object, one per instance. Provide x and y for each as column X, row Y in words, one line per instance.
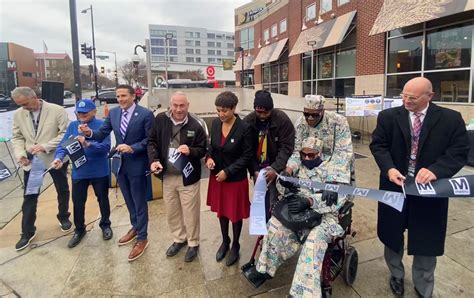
column 131, row 124
column 423, row 142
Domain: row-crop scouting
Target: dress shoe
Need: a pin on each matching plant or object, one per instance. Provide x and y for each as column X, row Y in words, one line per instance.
column 129, row 237
column 76, row 239
column 107, row 233
column 65, row 224
column 397, row 286
column 175, row 248
column 138, row 250
column 191, row 253
column 221, row 252
column 254, row 277
column 24, row 242
column 233, row 255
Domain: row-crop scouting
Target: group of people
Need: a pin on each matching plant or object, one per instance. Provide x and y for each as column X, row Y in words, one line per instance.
column 318, row 147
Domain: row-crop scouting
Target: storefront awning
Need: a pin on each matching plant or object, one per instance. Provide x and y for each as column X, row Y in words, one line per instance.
column 270, row 53
column 402, row 13
column 248, row 60
column 326, row 34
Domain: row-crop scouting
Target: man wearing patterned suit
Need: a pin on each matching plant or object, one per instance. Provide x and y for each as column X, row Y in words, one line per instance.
column 38, row 127
column 131, row 124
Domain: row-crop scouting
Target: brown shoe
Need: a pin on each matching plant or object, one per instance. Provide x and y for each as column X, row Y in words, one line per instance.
column 138, row 250
column 129, row 237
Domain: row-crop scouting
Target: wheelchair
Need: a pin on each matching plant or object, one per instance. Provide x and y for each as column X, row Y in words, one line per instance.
column 340, row 257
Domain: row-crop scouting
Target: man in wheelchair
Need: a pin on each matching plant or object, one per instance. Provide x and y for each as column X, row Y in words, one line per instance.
column 286, row 235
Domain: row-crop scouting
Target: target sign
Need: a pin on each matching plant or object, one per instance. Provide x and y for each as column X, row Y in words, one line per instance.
column 210, row 71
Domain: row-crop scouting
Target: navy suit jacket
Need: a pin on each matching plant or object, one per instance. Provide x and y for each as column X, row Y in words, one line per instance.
column 136, row 163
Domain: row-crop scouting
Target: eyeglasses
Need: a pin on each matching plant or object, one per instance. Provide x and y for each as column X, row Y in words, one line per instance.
column 310, row 155
column 314, row 115
column 412, row 98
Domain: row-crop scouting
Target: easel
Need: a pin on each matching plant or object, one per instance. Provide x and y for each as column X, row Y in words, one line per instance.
column 17, row 170
column 363, row 122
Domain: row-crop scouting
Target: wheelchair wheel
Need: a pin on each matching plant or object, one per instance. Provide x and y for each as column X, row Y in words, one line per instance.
column 349, row 269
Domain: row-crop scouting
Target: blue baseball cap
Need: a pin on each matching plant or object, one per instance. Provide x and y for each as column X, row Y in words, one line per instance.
column 85, row 106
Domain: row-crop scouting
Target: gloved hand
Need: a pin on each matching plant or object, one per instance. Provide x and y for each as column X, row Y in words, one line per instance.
column 286, row 184
column 298, row 204
column 330, row 197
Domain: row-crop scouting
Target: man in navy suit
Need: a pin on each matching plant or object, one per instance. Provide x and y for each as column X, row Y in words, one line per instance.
column 131, row 124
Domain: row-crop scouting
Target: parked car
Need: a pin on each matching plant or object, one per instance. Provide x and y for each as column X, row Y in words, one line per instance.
column 108, row 97
column 5, row 102
column 67, row 94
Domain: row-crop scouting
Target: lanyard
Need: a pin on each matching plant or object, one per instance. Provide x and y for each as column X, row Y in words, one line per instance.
column 36, row 122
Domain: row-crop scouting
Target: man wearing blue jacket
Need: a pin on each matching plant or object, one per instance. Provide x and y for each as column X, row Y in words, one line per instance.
column 94, row 172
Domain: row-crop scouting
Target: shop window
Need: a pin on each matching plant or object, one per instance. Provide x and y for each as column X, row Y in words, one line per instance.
column 404, row 53
column 306, row 68
column 345, row 87
column 449, row 47
column 395, row 83
column 283, row 26
column 326, row 5
column 450, row 86
column 406, row 30
column 311, row 12
column 307, row 88
column 345, row 63
column 325, row 66
column 266, row 74
column 325, row 88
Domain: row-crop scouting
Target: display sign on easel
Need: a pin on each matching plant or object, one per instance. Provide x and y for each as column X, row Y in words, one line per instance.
column 363, row 105
column 392, row 102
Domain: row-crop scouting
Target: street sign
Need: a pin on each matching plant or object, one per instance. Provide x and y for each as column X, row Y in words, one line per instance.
column 210, row 71
column 102, row 57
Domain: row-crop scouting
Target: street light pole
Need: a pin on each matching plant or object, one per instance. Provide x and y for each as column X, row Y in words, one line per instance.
column 93, row 49
column 116, row 69
column 168, row 36
column 241, row 50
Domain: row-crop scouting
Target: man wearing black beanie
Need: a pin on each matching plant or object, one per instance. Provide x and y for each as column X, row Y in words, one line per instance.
column 274, row 141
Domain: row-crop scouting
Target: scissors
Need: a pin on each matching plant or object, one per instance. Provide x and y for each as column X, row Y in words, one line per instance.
column 403, row 186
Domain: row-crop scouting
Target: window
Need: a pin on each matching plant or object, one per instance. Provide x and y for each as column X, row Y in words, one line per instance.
column 160, row 33
column 190, row 59
column 198, row 59
column 219, row 36
column 27, row 74
column 211, row 35
column 211, row 44
column 173, row 59
column 157, row 42
column 266, row 35
column 247, row 38
column 157, row 51
column 189, row 51
column 326, row 5
column 230, row 53
column 188, row 34
column 219, row 60
column 230, row 45
column 404, row 53
column 311, row 12
column 274, row 30
column 325, row 66
column 197, row 43
column 197, row 51
column 211, row 52
column 283, row 26
column 218, row 45
column 189, row 42
column 173, row 51
column 450, row 86
column 345, row 63
column 211, row 60
column 218, row 52
column 275, row 75
column 228, row 37
column 157, row 58
column 197, row 34
column 173, row 43
column 342, row 2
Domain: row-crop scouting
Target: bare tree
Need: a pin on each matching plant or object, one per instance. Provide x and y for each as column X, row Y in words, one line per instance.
column 194, row 75
column 133, row 74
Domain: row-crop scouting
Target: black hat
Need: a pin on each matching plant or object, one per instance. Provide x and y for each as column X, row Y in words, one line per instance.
column 263, row 99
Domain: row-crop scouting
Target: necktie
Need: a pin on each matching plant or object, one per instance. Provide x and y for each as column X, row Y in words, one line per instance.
column 415, row 137
column 124, row 124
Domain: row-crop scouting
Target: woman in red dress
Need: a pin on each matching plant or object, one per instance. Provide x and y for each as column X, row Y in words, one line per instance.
column 230, row 153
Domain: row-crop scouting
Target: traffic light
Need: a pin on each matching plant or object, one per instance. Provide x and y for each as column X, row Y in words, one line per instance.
column 83, row 48
column 115, row 72
column 91, row 69
column 102, row 69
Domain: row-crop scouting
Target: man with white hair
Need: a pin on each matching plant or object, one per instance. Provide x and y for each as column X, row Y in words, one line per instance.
column 176, row 133
column 38, row 127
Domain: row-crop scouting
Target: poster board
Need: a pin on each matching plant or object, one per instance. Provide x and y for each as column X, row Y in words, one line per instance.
column 6, row 126
column 361, row 106
column 392, row 102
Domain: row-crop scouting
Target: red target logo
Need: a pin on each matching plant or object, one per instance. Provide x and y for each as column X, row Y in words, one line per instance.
column 210, row 71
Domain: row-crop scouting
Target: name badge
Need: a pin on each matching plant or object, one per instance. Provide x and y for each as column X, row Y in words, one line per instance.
column 231, row 140
column 191, row 133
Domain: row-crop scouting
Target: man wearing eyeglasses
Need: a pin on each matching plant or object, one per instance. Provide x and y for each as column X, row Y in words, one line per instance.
column 274, row 141
column 334, row 131
column 423, row 142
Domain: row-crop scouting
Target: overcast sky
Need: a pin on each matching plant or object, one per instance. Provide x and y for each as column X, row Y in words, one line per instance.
column 119, row 24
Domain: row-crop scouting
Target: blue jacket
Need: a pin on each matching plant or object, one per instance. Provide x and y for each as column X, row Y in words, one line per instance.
column 136, row 136
column 97, row 164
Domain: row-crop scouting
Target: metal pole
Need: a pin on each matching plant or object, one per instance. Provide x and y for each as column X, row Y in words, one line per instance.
column 148, row 65
column 93, row 49
column 166, row 61
column 75, row 50
column 242, row 75
column 116, row 70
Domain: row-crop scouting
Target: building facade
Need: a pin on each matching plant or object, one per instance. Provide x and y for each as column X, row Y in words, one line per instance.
column 189, row 50
column 339, row 48
column 17, row 67
column 54, row 67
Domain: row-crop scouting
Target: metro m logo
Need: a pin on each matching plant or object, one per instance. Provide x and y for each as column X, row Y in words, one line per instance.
column 331, row 187
column 360, row 192
column 425, row 189
column 460, row 186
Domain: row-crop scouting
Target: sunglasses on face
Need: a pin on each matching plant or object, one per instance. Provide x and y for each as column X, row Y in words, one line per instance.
column 314, row 115
column 310, row 155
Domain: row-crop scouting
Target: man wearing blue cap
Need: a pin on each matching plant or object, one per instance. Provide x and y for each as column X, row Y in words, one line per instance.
column 94, row 172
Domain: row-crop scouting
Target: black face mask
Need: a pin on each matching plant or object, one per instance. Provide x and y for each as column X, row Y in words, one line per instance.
column 312, row 163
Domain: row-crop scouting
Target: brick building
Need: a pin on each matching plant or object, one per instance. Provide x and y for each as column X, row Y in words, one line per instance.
column 17, row 67
column 55, row 67
column 338, row 48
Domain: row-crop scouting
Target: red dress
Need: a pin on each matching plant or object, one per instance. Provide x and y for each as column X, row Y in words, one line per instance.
column 229, row 199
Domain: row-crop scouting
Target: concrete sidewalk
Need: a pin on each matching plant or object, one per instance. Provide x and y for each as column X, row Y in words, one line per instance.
column 100, row 268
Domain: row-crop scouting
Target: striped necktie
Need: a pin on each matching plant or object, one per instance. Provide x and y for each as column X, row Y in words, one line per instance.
column 124, row 124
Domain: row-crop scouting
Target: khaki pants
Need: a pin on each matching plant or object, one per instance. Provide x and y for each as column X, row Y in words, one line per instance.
column 183, row 207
